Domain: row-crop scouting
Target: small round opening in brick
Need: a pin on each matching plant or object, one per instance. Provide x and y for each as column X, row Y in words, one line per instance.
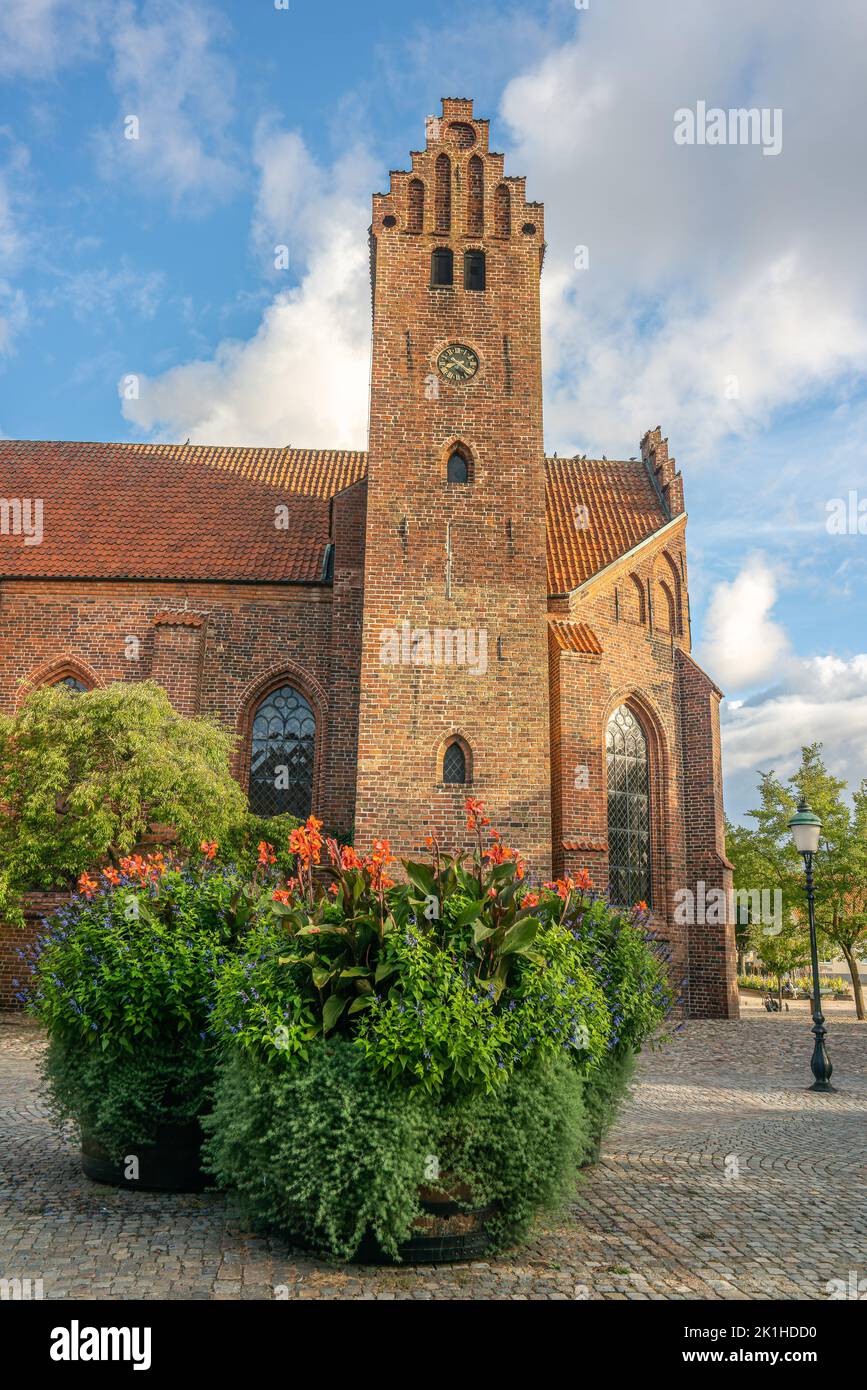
column 529, row 229
column 389, row 221
column 462, row 135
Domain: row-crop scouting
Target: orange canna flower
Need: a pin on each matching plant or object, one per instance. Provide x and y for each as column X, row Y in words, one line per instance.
column 281, row 895
column 87, row 885
column 266, row 853
column 208, row 848
column 530, row 900
column 112, row 875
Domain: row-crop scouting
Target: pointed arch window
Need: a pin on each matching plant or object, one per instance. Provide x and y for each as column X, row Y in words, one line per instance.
column 72, row 683
column 629, row 859
column 458, row 468
column 455, row 764
column 282, row 752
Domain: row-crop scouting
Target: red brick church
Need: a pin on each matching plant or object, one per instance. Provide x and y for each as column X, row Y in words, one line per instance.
column 449, row 610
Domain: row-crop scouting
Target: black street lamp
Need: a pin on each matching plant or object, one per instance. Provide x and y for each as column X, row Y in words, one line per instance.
column 805, row 826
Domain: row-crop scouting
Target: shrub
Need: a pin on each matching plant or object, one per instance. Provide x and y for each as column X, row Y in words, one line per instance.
column 123, row 981
column 83, row 777
column 326, row 1150
column 319, row 1151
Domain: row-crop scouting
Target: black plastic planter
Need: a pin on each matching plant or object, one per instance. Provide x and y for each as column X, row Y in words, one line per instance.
column 172, row 1164
column 446, row 1232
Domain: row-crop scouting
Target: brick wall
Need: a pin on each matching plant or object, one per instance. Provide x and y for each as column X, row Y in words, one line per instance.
column 215, row 647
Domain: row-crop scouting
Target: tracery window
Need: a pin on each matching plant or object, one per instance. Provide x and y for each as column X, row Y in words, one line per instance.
column 629, row 862
column 282, row 752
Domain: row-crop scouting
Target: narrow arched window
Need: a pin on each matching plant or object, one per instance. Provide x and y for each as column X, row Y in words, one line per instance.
column 502, row 211
column 475, row 197
column 474, row 270
column 629, row 866
column 443, row 193
column 458, row 470
column 442, row 266
column 415, row 206
column 281, row 755
column 454, row 764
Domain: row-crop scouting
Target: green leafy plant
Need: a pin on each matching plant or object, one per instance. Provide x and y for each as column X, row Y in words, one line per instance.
column 123, row 981
column 83, row 777
column 326, row 1151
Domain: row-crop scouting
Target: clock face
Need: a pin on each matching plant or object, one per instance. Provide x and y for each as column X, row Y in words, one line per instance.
column 457, row 362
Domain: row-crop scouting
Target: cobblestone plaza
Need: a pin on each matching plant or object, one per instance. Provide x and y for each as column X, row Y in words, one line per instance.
column 724, row 1178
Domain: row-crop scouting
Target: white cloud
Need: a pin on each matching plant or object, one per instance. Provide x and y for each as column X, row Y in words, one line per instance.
column 303, row 378
column 742, row 644
column 169, row 76
column 37, row 37
column 823, row 699
column 706, row 264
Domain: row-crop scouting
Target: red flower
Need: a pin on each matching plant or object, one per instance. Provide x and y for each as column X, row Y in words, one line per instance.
column 281, row 895
column 208, row 848
column 266, row 853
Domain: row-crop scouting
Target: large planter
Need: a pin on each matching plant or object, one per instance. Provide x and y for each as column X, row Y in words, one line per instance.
column 171, row 1164
column 448, row 1230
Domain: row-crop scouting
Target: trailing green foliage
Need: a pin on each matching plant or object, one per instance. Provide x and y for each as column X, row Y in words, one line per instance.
column 83, row 776
column 121, row 1099
column 604, row 1090
column 319, row 1151
column 326, row 1150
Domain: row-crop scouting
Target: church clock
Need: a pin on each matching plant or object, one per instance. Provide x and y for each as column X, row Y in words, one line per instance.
column 457, row 362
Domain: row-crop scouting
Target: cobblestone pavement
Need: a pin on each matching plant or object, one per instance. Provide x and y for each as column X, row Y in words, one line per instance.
column 724, row 1178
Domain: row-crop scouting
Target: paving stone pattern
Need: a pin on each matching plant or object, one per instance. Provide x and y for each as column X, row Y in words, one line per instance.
column 724, row 1178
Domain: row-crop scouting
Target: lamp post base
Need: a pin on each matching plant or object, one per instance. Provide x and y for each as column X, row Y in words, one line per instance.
column 820, row 1062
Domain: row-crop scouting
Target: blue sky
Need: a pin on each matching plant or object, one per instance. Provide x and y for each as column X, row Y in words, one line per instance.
column 707, row 266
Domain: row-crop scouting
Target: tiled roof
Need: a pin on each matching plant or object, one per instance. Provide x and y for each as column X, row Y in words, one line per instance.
column 137, row 512
column 310, row 472
column 575, row 637
column 194, row 511
column 597, row 510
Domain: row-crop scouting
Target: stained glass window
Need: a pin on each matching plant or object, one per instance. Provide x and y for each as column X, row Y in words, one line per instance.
column 454, row 764
column 281, row 764
column 629, row 868
column 73, row 683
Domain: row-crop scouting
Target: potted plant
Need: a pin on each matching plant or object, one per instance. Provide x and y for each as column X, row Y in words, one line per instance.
column 405, row 1065
column 123, row 981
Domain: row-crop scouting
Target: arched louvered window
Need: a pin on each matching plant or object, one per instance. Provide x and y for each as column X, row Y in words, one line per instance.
column 629, row 866
column 415, row 206
column 282, row 751
column 454, row 764
column 442, row 269
column 443, row 193
column 502, row 211
column 475, row 197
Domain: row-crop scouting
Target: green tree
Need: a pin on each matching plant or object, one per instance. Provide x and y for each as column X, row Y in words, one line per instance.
column 83, row 776
column 764, row 856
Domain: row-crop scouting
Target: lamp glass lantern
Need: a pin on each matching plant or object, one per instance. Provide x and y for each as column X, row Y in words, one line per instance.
column 805, row 827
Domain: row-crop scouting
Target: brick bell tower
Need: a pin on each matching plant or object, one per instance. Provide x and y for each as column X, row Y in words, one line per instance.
column 454, row 678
